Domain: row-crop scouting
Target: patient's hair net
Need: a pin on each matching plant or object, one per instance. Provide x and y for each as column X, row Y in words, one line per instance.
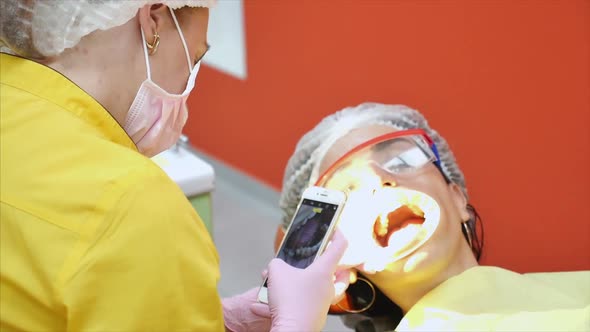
column 303, row 166
column 43, row 28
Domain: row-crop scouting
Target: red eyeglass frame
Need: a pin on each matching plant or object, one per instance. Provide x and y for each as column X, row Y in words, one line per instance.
column 376, row 140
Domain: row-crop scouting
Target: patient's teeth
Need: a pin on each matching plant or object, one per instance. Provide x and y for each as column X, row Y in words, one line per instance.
column 381, row 229
column 416, row 210
column 402, row 237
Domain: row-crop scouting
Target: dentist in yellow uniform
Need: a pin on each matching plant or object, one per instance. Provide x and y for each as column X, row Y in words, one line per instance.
column 93, row 235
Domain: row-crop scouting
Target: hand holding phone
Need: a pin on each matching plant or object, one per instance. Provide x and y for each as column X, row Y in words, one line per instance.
column 299, row 298
column 313, row 223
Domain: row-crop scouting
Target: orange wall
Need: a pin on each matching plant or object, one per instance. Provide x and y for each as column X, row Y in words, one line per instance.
column 506, row 82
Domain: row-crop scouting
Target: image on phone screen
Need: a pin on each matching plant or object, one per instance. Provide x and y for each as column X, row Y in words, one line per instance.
column 306, row 234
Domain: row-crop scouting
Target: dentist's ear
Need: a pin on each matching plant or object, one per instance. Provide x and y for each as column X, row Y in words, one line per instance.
column 151, row 18
column 460, row 201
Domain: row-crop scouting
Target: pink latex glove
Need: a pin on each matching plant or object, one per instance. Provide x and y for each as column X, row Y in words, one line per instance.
column 239, row 317
column 299, row 299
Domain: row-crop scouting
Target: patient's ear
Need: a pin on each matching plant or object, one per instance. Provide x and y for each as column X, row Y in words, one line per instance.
column 460, row 201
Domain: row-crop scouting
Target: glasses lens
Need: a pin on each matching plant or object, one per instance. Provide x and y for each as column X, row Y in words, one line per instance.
column 399, row 155
column 360, row 296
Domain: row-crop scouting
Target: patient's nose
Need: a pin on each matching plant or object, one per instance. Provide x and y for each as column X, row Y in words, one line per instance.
column 387, row 178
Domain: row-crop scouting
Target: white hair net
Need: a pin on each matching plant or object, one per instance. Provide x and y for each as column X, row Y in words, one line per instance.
column 303, row 166
column 42, row 28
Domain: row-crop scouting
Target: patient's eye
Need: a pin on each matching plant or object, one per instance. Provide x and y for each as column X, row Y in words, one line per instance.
column 408, row 160
column 397, row 165
column 390, row 148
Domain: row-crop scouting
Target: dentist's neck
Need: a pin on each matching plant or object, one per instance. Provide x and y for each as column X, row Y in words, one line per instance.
column 109, row 71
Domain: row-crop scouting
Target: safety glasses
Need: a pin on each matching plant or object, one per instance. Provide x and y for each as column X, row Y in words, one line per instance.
column 399, row 153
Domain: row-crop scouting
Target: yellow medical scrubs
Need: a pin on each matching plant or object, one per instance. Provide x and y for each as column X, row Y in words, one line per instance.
column 93, row 235
column 487, row 298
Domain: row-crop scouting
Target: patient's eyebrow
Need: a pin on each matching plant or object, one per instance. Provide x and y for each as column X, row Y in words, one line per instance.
column 387, row 144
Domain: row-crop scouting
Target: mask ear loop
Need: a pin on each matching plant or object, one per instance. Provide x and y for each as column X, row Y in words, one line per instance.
column 145, row 53
column 188, row 58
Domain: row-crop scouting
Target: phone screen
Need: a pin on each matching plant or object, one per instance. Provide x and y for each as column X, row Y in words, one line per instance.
column 306, row 234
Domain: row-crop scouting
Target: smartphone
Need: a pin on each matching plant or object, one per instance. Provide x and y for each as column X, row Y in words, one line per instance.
column 310, row 230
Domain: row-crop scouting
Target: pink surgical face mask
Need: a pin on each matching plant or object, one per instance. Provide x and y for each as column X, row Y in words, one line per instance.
column 156, row 118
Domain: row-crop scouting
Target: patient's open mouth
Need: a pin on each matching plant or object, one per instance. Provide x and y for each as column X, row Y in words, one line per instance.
column 387, row 224
column 407, row 219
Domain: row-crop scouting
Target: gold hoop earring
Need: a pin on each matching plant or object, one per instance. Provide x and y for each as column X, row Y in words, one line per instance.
column 153, row 46
column 363, row 304
column 468, row 233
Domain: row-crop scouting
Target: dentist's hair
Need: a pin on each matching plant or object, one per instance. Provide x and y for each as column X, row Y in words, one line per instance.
column 37, row 29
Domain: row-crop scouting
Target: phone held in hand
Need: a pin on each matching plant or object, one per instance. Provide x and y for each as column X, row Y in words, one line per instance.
column 310, row 230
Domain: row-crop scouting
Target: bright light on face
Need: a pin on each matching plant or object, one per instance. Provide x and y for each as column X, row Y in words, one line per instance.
column 383, row 222
column 354, row 175
column 387, row 225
